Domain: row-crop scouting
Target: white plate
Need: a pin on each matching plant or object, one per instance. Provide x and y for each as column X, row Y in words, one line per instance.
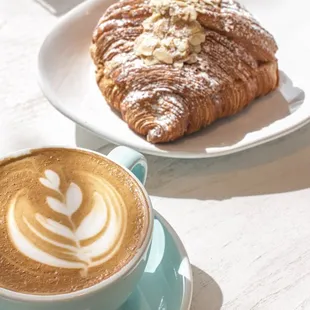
column 66, row 76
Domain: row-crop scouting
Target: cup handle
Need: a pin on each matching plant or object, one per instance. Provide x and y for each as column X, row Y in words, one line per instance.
column 132, row 160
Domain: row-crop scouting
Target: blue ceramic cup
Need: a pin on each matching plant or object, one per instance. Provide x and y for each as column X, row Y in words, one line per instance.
column 111, row 293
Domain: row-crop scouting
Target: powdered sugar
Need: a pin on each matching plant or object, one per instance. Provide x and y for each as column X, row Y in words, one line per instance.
column 163, row 102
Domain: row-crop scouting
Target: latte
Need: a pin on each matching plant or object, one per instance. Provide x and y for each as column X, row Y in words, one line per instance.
column 68, row 220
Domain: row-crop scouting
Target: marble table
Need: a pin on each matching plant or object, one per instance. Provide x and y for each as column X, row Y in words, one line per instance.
column 244, row 218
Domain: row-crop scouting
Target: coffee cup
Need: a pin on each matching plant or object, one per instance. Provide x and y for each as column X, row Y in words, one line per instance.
column 75, row 228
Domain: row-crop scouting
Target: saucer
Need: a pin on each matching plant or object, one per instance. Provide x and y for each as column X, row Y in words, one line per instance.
column 167, row 281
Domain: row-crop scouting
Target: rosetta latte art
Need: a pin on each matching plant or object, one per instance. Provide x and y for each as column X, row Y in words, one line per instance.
column 69, row 219
column 89, row 243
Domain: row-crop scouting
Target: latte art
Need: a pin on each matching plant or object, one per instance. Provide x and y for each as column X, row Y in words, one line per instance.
column 68, row 220
column 94, row 241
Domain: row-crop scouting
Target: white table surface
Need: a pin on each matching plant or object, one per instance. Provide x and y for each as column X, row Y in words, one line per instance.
column 244, row 218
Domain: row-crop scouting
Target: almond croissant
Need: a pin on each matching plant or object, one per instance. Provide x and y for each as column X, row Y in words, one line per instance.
column 165, row 91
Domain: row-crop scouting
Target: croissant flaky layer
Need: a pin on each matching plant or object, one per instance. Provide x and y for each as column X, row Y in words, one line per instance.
column 236, row 64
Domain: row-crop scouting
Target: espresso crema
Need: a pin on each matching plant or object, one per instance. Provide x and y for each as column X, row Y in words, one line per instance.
column 68, row 220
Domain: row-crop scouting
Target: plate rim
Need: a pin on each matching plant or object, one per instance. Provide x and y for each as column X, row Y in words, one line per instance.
column 151, row 150
column 189, row 285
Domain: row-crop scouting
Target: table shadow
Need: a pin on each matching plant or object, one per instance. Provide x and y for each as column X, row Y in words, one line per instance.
column 207, row 293
column 59, row 7
column 276, row 167
column 87, row 139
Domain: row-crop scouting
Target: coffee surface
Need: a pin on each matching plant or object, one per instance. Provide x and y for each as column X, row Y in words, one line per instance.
column 68, row 220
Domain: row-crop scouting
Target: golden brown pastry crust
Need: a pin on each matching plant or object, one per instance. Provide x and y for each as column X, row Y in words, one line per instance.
column 236, row 65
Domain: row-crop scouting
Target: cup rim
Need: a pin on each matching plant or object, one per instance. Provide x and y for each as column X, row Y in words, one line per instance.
column 125, row 270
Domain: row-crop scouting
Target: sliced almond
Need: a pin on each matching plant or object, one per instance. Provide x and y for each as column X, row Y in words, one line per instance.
column 181, row 4
column 167, row 42
column 176, row 42
column 163, row 55
column 150, row 61
column 196, row 48
column 201, row 10
column 189, row 13
column 147, row 47
column 182, row 46
column 161, row 27
column 149, row 22
column 195, row 27
column 178, row 65
column 192, row 59
column 197, row 39
column 209, row 2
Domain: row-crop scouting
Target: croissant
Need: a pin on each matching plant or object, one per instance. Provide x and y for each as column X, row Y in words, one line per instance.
column 201, row 61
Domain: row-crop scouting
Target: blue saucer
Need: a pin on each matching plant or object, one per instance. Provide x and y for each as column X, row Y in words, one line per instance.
column 167, row 281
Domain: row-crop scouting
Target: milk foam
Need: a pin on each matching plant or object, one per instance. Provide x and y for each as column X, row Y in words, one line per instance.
column 95, row 240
